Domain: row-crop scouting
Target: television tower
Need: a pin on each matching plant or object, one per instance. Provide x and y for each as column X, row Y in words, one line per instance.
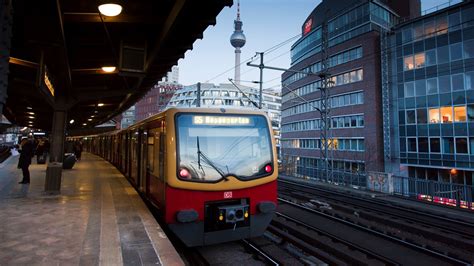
column 237, row 39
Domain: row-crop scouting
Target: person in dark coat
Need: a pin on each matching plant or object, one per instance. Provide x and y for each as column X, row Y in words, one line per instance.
column 77, row 149
column 26, row 153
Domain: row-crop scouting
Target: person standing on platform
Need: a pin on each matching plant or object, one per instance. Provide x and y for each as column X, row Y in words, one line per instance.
column 77, row 149
column 26, row 153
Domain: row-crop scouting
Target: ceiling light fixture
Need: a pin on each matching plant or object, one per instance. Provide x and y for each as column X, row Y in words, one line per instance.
column 100, row 104
column 84, row 124
column 110, row 9
column 108, row 69
column 29, row 108
column 90, row 119
column 71, row 121
column 30, row 113
column 31, row 117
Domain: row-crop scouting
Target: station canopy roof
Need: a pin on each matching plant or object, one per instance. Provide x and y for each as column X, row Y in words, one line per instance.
column 59, row 47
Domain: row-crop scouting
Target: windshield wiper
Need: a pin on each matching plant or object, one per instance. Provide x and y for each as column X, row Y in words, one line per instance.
column 208, row 161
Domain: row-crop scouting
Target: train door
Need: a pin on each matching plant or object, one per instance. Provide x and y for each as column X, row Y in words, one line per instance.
column 142, row 160
column 150, row 158
column 134, row 156
column 123, row 153
column 155, row 170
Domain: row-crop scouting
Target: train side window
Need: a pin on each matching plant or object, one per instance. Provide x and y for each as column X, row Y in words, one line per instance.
column 161, row 167
column 150, row 151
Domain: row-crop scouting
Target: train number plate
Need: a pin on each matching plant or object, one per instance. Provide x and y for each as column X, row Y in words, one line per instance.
column 228, row 195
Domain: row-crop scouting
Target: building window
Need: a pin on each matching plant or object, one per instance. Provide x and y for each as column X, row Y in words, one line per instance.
column 446, row 114
column 454, row 21
column 470, row 112
column 418, row 30
column 459, row 113
column 421, row 116
column 409, row 89
column 435, row 145
column 468, row 48
column 444, row 84
column 419, row 60
column 408, row 63
column 441, row 24
column 461, row 145
column 469, row 80
column 448, row 145
column 457, row 82
column 434, row 115
column 471, row 145
column 407, row 35
column 411, row 117
column 411, row 144
column 443, row 54
column 432, row 85
column 422, row 144
column 420, row 87
column 456, row 51
column 429, row 28
column 430, row 57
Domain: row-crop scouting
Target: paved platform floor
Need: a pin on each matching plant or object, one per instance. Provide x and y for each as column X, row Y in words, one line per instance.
column 97, row 219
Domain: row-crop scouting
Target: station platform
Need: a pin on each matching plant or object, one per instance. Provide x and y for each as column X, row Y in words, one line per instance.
column 97, row 219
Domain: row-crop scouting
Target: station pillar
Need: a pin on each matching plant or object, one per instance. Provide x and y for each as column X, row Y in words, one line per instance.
column 54, row 168
column 6, row 22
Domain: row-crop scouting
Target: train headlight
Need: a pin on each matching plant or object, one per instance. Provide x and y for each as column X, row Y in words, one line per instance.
column 246, row 214
column 221, row 217
column 268, row 168
column 184, row 173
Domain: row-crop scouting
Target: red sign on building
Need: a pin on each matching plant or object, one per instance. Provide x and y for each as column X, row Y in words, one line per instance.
column 307, row 26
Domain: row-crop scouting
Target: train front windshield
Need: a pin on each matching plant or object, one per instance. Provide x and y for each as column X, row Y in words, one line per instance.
column 213, row 147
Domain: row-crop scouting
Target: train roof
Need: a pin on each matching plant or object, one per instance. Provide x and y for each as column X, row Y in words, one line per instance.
column 211, row 110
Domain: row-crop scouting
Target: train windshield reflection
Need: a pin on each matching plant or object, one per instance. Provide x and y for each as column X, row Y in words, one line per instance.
column 213, row 147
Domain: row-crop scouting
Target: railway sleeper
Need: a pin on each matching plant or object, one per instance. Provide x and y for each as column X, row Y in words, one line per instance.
column 309, row 249
column 338, row 249
column 396, row 225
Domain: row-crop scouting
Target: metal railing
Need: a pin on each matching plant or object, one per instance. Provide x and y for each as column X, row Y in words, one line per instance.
column 350, row 179
column 446, row 193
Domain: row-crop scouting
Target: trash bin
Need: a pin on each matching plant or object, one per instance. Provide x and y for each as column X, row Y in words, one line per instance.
column 53, row 177
column 69, row 160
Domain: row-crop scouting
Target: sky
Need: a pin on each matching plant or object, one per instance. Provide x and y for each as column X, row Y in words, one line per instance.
column 266, row 24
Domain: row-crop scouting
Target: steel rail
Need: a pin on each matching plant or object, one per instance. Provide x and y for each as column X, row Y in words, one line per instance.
column 394, row 239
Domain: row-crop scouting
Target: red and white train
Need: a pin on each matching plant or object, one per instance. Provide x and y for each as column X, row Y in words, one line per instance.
column 211, row 172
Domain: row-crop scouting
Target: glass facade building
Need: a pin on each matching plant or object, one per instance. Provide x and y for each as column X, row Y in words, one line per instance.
column 433, row 96
column 355, row 135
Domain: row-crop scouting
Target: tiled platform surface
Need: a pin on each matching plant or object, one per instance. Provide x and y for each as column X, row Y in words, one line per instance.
column 97, row 219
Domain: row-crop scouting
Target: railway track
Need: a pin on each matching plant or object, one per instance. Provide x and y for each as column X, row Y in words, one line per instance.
column 460, row 228
column 370, row 246
column 443, row 234
column 324, row 245
column 267, row 258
